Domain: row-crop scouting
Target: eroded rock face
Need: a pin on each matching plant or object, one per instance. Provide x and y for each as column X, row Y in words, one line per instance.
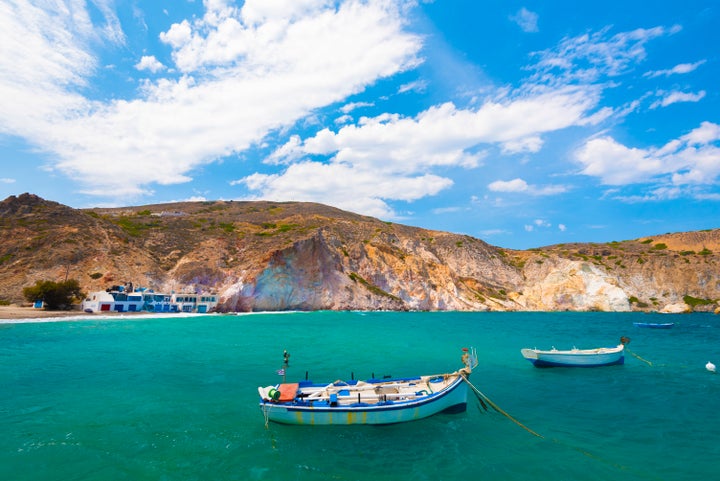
column 562, row 284
column 269, row 256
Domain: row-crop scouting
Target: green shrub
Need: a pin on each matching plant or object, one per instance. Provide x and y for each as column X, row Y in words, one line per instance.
column 134, row 229
column 55, row 295
column 694, row 301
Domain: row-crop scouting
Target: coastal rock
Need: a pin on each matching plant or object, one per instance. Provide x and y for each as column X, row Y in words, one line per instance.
column 677, row 308
column 562, row 284
column 269, row 256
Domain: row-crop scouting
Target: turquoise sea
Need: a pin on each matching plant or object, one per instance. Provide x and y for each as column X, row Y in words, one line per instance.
column 175, row 398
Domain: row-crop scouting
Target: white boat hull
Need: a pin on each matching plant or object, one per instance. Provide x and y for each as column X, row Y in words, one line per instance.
column 452, row 399
column 603, row 356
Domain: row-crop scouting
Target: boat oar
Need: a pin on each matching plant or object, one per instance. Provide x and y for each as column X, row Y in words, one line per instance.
column 482, row 397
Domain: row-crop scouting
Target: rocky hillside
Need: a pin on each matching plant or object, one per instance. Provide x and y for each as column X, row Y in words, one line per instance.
column 305, row 256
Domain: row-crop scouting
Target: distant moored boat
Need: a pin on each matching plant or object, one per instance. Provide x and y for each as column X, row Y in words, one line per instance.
column 602, row 356
column 654, row 325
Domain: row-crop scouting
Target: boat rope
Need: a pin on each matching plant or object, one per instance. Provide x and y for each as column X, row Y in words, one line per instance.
column 635, row 355
column 267, row 416
column 582, row 451
column 482, row 396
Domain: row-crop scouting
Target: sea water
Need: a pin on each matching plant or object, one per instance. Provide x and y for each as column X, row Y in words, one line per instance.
column 175, row 398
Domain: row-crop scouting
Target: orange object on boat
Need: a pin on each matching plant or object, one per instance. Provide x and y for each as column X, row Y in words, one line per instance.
column 288, row 391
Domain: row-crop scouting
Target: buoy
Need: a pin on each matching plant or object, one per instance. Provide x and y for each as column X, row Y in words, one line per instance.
column 710, row 366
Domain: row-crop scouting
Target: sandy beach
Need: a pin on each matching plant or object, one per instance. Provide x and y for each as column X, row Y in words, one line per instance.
column 15, row 312
column 19, row 312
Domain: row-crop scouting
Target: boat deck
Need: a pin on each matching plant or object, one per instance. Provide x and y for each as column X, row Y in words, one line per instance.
column 352, row 393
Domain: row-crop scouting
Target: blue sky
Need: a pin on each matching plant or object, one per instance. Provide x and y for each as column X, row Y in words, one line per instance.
column 521, row 123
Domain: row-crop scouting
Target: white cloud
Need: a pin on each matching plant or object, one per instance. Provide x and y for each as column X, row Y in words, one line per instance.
column 616, row 164
column 397, row 150
column 691, row 159
column 520, row 186
column 682, row 68
column 531, row 144
column 349, row 107
column 347, row 187
column 669, row 98
column 44, row 60
column 526, row 20
column 538, row 224
column 262, row 11
column 6, row 180
column 149, row 62
column 246, row 72
column 447, row 210
column 515, row 185
column 586, row 58
column 344, row 119
column 707, row 133
column 444, row 135
column 417, row 86
column 493, row 232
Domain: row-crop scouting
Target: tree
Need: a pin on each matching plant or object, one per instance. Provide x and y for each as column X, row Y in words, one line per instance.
column 55, row 295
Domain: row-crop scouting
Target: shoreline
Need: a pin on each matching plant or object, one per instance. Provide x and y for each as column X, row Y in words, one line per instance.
column 19, row 312
column 16, row 313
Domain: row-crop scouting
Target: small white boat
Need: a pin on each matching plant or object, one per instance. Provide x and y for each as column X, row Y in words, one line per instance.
column 374, row 401
column 602, row 356
column 655, row 325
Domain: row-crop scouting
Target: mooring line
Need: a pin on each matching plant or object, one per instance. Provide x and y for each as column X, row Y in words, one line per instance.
column 643, row 360
column 497, row 408
column 584, row 452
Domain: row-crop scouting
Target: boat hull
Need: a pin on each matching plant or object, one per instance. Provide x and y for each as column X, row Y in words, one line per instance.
column 453, row 399
column 576, row 358
column 653, row 325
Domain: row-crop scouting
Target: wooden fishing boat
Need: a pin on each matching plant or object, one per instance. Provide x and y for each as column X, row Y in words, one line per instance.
column 374, row 401
column 602, row 356
column 655, row 325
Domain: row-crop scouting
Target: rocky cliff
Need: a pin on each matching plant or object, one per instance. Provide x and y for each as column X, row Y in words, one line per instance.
column 305, row 256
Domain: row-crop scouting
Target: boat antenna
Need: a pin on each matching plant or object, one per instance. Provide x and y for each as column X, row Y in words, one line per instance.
column 469, row 358
column 286, row 363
